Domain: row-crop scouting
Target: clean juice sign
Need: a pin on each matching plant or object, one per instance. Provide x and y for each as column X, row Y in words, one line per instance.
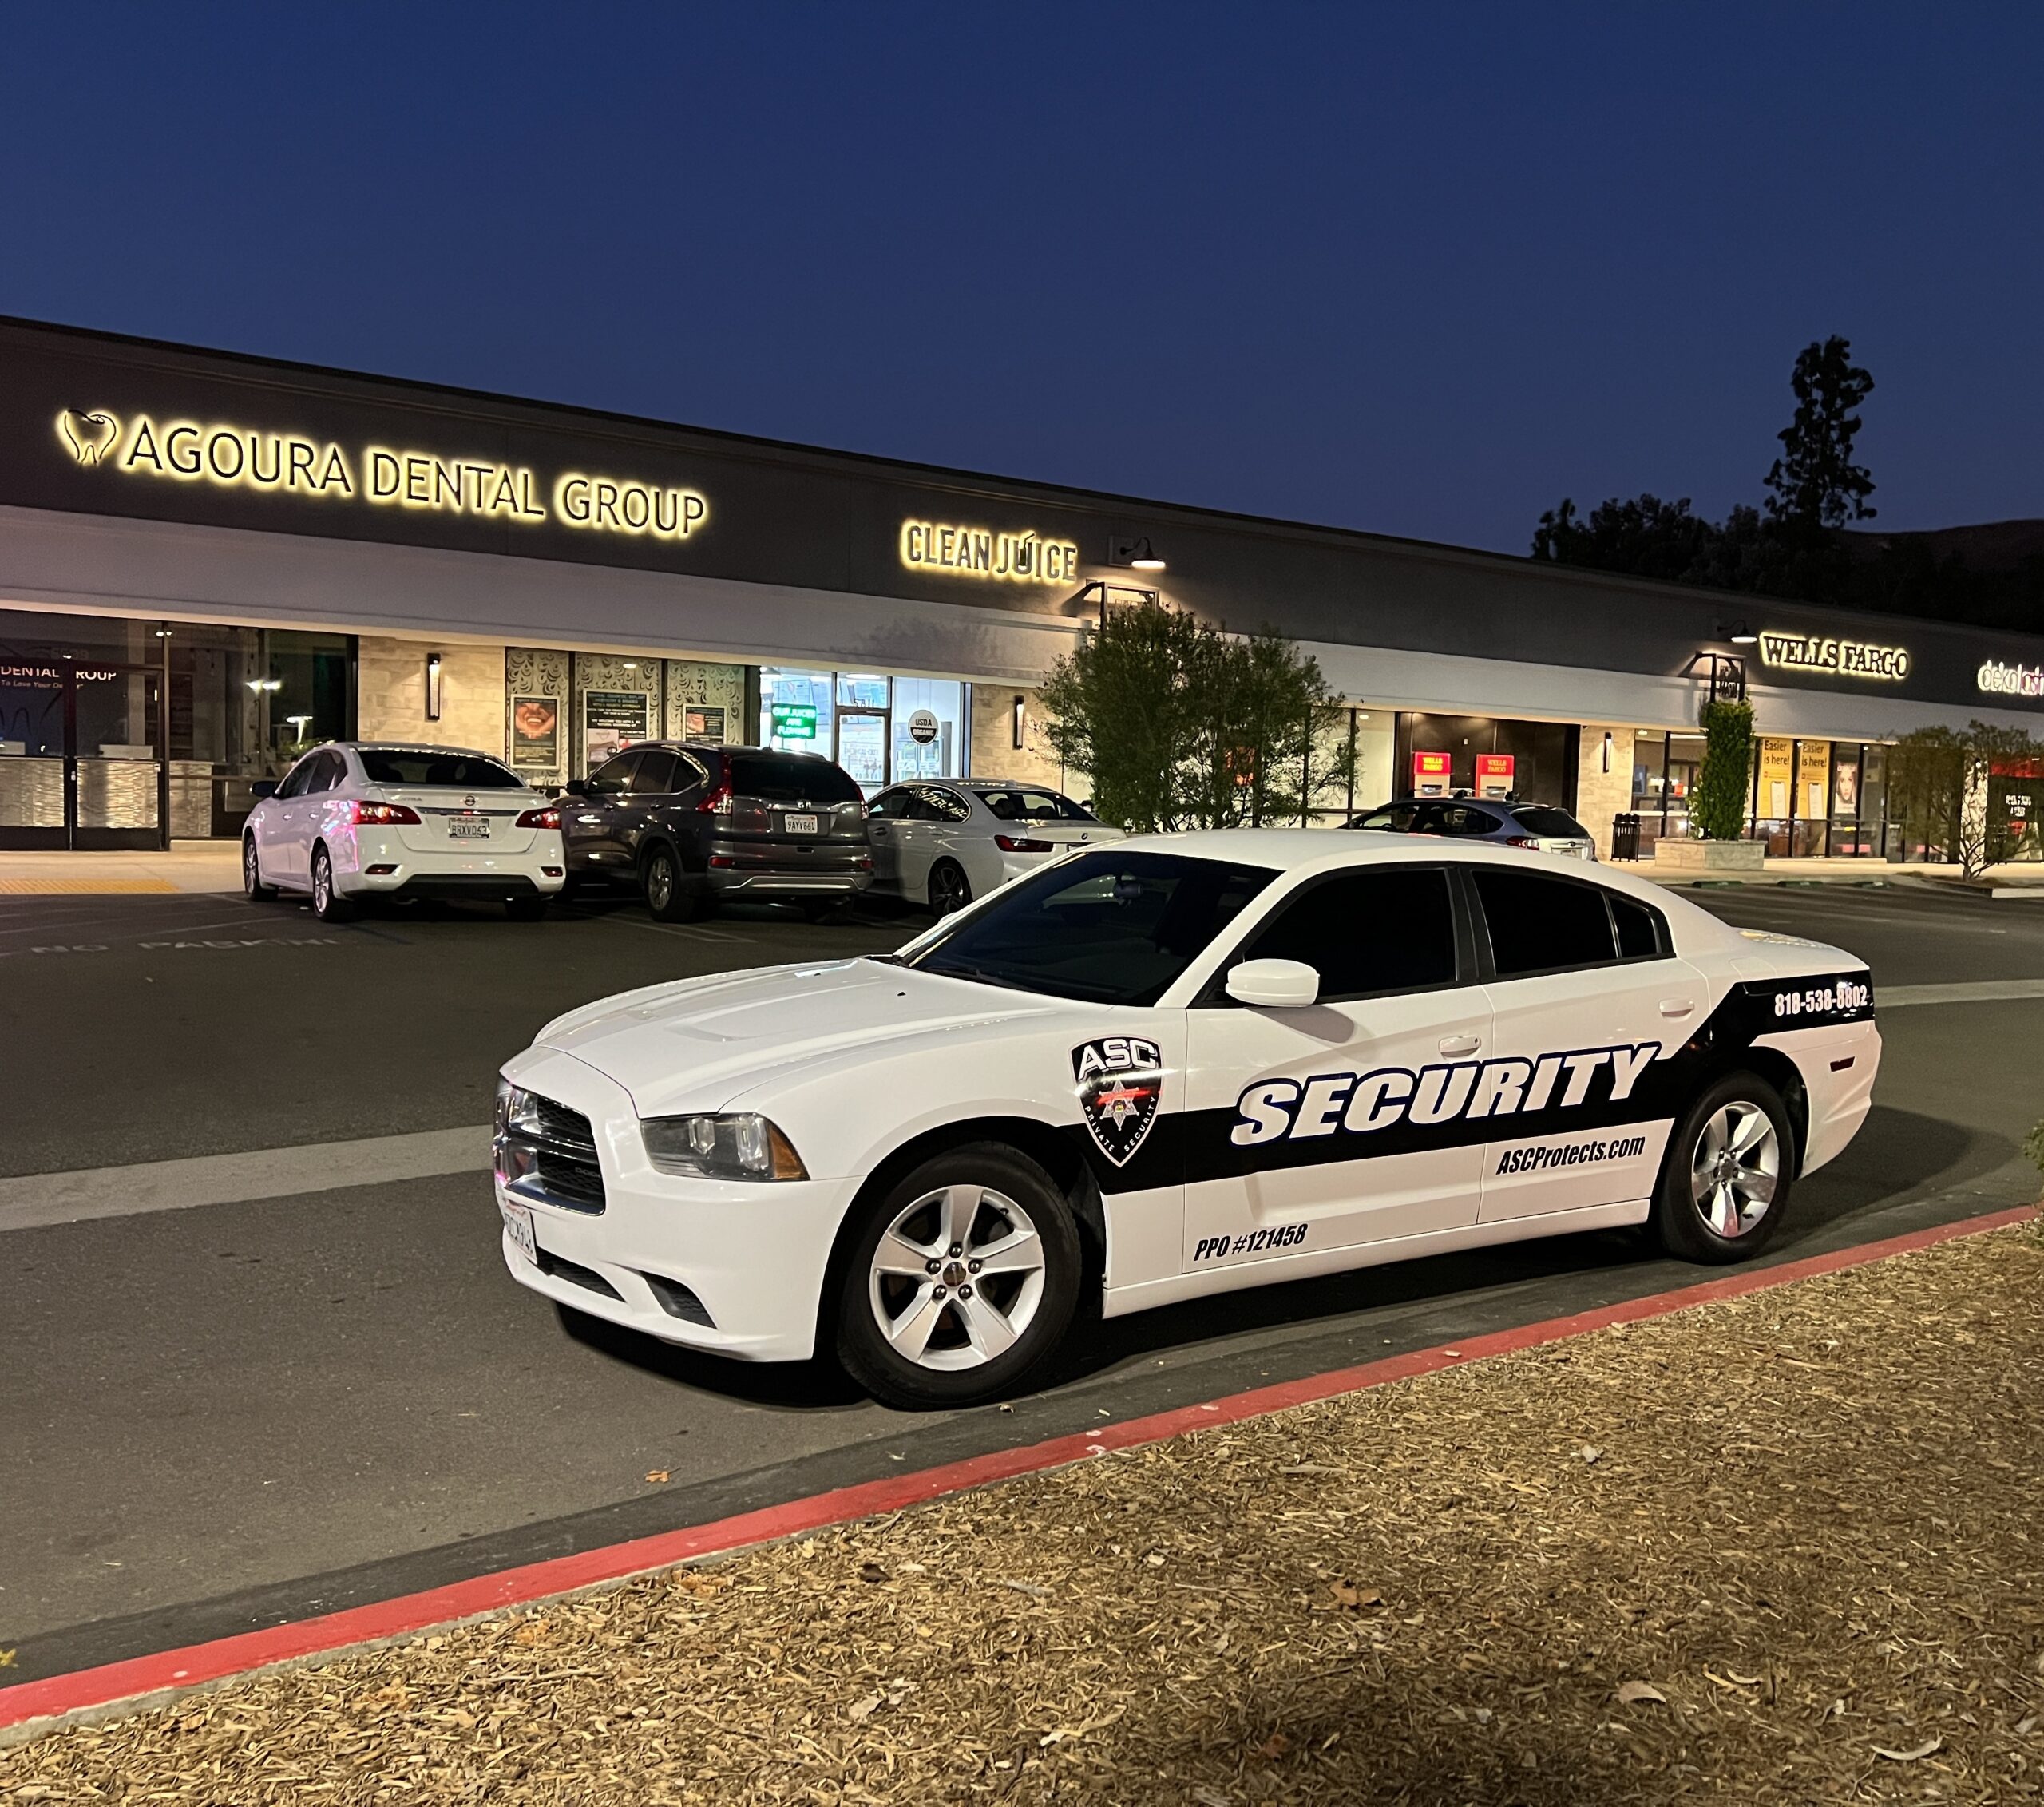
column 235, row 456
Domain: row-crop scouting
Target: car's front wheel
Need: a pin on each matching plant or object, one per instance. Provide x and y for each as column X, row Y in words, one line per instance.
column 962, row 1282
column 252, row 873
column 328, row 905
column 1726, row 1181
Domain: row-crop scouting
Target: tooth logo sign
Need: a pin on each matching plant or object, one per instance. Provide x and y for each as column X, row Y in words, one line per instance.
column 90, row 436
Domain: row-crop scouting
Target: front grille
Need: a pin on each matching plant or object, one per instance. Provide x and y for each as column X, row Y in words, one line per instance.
column 558, row 1158
column 559, row 1267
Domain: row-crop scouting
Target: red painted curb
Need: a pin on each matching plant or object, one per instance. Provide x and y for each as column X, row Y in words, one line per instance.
column 331, row 1634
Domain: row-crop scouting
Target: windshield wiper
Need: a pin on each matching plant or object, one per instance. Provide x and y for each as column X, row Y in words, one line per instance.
column 979, row 973
column 887, row 959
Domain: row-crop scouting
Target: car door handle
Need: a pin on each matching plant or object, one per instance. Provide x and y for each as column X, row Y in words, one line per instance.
column 1677, row 1006
column 1460, row 1044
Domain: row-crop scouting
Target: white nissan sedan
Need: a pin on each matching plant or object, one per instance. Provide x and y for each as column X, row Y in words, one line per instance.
column 1173, row 1066
column 352, row 821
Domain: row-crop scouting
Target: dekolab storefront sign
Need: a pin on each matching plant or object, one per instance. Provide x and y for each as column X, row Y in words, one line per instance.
column 140, row 447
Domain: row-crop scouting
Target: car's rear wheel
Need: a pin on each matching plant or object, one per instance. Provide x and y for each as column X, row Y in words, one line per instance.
column 950, row 888
column 328, row 905
column 667, row 894
column 252, row 873
column 962, row 1280
column 1726, row 1181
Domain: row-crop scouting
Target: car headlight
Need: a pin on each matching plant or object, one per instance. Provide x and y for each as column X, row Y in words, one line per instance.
column 743, row 1146
column 517, row 1110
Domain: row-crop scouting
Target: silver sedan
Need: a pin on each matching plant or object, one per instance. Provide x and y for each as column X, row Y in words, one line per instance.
column 944, row 842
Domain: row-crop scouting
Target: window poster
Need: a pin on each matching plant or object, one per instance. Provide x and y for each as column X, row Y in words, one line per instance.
column 611, row 721
column 536, row 732
column 702, row 722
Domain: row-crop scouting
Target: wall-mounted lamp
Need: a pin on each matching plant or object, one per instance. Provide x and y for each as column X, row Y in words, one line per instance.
column 1737, row 632
column 299, row 723
column 266, row 686
column 432, row 687
column 1021, row 720
column 1135, row 554
column 163, row 633
column 1607, row 749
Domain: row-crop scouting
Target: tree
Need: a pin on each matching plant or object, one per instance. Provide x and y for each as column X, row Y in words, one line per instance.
column 1941, row 788
column 1717, row 805
column 1815, row 483
column 1183, row 726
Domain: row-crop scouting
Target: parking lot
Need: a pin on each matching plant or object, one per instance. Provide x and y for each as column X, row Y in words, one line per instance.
column 227, row 1413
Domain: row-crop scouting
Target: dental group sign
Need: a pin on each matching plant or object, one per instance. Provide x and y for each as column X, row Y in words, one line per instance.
column 233, row 457
column 1997, row 680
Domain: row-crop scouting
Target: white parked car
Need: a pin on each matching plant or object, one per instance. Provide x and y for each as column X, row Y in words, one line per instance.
column 944, row 841
column 1171, row 1067
column 352, row 821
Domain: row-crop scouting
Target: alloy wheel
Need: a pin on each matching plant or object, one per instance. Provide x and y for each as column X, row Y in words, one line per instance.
column 948, row 890
column 956, row 1277
column 322, row 885
column 660, row 883
column 251, row 872
column 1735, row 1168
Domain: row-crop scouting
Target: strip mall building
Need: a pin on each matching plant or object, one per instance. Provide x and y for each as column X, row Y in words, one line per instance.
column 208, row 561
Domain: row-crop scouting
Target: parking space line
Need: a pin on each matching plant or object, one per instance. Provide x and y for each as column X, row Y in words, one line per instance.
column 1970, row 991
column 39, row 1200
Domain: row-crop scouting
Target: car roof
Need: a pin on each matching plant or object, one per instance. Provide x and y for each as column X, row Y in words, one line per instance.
column 414, row 746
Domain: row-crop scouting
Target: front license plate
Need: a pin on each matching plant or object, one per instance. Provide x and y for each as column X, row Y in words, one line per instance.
column 468, row 827
column 799, row 824
column 518, row 1227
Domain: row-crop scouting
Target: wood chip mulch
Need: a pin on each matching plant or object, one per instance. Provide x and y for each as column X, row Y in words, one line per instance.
column 1788, row 1548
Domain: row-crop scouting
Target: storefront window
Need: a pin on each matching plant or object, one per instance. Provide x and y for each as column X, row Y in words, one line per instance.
column 796, row 710
column 879, row 729
column 929, row 728
column 1487, row 756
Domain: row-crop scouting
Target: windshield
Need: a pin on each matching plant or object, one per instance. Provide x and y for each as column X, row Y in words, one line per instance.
column 1111, row 927
column 446, row 772
column 1022, row 803
column 791, row 778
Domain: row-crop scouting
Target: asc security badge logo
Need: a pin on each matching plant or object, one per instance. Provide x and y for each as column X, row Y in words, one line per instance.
column 1121, row 1079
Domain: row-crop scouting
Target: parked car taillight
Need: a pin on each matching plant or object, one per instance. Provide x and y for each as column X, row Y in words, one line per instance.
column 1522, row 841
column 1020, row 844
column 383, row 813
column 717, row 802
column 546, row 818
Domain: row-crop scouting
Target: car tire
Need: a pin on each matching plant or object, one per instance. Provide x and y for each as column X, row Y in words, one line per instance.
column 666, row 889
column 252, row 886
column 958, row 1336
column 1726, row 1179
column 524, row 909
column 950, row 888
column 328, row 905
column 820, row 909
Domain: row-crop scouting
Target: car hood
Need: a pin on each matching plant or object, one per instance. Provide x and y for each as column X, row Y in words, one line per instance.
column 696, row 1043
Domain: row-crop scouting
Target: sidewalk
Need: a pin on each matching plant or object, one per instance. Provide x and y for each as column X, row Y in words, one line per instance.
column 189, row 866
column 2026, row 876
column 1778, row 1548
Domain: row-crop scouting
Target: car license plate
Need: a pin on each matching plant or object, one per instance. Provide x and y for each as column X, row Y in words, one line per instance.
column 518, row 1227
column 799, row 824
column 468, row 827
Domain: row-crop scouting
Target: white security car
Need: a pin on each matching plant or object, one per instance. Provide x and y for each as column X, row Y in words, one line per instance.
column 1171, row 1066
column 352, row 821
column 946, row 842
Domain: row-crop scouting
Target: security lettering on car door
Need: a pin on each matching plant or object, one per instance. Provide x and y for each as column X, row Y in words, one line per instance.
column 1314, row 1128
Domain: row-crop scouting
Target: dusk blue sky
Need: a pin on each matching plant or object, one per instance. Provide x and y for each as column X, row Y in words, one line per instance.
column 1420, row 270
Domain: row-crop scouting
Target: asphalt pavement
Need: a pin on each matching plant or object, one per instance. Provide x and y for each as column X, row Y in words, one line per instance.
column 219, row 1415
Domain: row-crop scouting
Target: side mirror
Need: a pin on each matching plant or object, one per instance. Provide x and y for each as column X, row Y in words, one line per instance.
column 1279, row 985
column 262, row 787
column 577, row 787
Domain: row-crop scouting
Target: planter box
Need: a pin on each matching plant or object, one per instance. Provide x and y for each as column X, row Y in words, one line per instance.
column 1710, row 856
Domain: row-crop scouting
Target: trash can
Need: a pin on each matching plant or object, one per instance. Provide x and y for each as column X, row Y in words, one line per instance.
column 1624, row 836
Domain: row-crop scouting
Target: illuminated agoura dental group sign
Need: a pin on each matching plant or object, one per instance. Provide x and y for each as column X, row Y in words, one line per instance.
column 231, row 456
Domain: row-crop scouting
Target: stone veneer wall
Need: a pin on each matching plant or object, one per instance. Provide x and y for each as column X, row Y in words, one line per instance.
column 391, row 693
column 1599, row 794
column 995, row 753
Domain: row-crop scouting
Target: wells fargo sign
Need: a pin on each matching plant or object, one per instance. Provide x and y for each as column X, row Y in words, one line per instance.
column 235, row 456
column 1841, row 658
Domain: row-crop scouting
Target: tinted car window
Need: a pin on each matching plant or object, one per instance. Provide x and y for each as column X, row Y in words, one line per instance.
column 791, row 777
column 1550, row 825
column 1537, row 923
column 616, row 774
column 655, row 775
column 1642, row 931
column 1023, row 804
column 1384, row 931
column 297, row 778
column 1460, row 818
column 892, row 806
column 1112, row 926
column 939, row 805
column 1396, row 819
column 452, row 771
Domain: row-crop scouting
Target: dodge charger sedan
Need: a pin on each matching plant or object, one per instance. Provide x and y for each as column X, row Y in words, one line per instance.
column 1165, row 1069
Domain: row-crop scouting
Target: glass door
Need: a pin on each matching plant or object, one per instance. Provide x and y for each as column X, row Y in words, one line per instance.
column 862, row 746
column 81, row 755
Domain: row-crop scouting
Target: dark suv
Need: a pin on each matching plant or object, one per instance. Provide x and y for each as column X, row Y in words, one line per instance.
column 690, row 825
